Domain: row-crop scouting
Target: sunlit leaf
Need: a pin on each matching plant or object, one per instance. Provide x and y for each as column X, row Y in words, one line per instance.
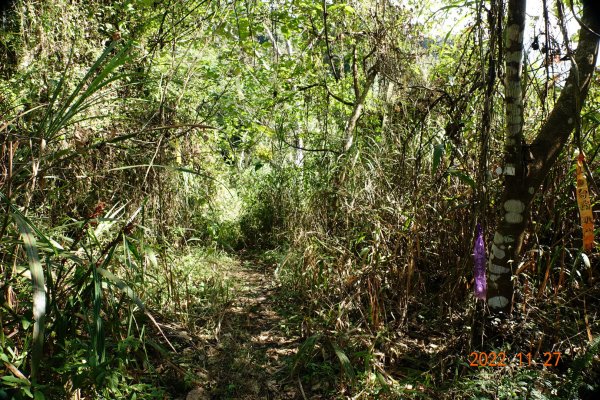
column 39, row 292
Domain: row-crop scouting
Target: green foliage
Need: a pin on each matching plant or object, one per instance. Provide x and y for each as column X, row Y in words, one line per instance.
column 144, row 141
column 580, row 367
column 438, row 152
column 39, row 293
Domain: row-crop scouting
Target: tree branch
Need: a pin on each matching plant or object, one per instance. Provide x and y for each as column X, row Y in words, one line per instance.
column 562, row 120
column 329, row 55
column 357, row 111
column 323, row 150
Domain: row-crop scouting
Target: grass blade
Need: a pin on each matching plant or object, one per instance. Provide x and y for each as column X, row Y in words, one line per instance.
column 39, row 293
column 118, row 282
column 344, row 361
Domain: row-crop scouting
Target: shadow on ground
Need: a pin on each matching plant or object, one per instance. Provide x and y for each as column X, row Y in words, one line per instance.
column 249, row 354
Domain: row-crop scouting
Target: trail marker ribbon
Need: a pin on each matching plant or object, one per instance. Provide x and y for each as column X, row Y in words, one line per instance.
column 479, row 261
column 585, row 206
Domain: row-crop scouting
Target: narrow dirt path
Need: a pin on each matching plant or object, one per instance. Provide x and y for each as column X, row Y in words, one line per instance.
column 249, row 354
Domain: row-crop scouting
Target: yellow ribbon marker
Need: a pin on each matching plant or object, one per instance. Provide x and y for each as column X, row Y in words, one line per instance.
column 585, row 206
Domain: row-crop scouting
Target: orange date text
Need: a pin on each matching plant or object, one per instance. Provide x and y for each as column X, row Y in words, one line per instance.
column 500, row 359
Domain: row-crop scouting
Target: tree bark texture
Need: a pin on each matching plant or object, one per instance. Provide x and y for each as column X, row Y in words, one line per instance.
column 357, row 111
column 526, row 166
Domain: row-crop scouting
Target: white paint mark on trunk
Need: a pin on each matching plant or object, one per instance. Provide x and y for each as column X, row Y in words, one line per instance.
column 513, row 56
column 515, row 34
column 498, row 269
column 497, row 301
column 514, row 206
column 498, row 238
column 514, row 209
column 498, row 252
column 513, row 218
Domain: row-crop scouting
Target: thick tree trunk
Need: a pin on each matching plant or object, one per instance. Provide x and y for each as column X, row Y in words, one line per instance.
column 509, row 233
column 527, row 166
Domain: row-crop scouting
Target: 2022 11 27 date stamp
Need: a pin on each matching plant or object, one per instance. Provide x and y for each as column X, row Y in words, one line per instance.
column 502, row 359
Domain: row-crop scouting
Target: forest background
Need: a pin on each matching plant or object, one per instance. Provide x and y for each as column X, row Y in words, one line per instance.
column 348, row 149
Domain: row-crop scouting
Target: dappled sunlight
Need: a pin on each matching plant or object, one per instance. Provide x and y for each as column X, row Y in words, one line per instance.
column 299, row 199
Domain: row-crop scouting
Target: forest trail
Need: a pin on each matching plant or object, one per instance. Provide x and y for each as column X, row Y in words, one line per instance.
column 249, row 352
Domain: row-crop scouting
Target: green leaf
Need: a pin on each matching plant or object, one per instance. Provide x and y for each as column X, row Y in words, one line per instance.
column 151, row 256
column 381, row 379
column 122, row 286
column 39, row 292
column 344, row 361
column 463, row 177
column 347, row 9
column 592, row 116
column 27, row 391
column 438, row 152
column 85, row 94
column 14, row 379
column 586, row 260
column 305, row 352
column 25, row 323
column 15, row 211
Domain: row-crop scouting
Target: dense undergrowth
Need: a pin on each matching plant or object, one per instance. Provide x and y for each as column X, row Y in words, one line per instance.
column 397, row 302
column 147, row 145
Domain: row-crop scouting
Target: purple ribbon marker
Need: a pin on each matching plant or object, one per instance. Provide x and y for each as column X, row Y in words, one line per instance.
column 479, row 259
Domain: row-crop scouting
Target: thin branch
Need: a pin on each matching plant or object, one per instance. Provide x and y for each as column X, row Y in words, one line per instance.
column 311, row 150
column 338, row 98
column 357, row 111
column 595, row 11
column 159, row 128
column 329, row 55
column 329, row 92
column 273, row 41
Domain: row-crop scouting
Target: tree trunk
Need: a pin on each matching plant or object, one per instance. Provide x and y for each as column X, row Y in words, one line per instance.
column 526, row 166
column 357, row 111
